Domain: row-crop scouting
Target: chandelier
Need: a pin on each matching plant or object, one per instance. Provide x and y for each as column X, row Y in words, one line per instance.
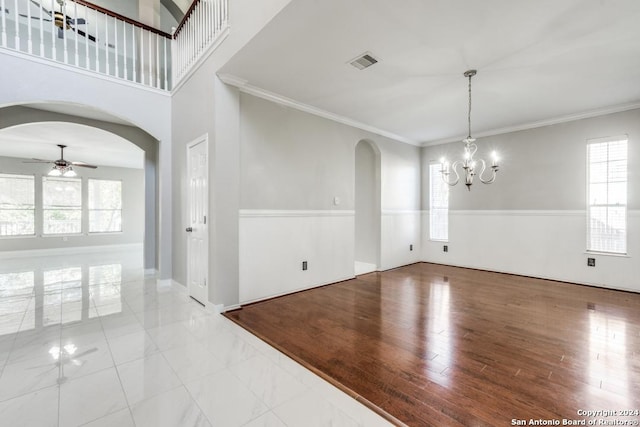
column 468, row 163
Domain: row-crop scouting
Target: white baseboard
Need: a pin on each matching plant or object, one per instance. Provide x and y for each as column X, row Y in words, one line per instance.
column 293, row 291
column 364, row 268
column 32, row 253
column 150, row 272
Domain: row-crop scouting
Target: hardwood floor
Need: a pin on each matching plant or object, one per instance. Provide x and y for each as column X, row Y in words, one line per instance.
column 436, row 345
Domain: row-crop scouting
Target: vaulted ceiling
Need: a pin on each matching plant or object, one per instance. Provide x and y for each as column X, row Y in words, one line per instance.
column 538, row 62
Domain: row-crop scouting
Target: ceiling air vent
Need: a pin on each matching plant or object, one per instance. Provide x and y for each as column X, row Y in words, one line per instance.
column 363, row 61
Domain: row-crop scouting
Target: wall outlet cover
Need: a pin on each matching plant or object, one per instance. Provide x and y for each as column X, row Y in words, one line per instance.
column 591, row 262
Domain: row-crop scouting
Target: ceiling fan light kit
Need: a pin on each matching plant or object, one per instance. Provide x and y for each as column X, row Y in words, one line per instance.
column 62, row 167
column 468, row 163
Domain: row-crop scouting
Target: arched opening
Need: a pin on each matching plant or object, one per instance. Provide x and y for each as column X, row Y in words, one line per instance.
column 367, row 207
column 112, row 144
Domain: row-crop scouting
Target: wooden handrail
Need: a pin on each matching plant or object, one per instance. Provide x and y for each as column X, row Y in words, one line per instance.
column 123, row 18
column 185, row 17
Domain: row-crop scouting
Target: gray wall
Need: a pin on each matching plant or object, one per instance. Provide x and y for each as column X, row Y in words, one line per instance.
column 206, row 106
column 542, row 168
column 132, row 208
column 294, row 160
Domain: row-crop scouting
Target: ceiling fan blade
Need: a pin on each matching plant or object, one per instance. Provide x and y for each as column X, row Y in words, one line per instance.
column 76, row 21
column 84, row 165
column 37, row 18
column 48, row 12
column 37, row 161
column 83, row 34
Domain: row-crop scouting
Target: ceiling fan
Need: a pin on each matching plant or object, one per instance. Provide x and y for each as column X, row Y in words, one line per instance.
column 61, row 20
column 62, row 167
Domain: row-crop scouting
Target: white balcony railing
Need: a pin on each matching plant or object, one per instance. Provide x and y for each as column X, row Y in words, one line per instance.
column 87, row 36
column 83, row 35
column 204, row 24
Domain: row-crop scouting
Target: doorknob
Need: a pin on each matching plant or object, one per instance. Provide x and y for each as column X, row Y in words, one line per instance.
column 189, row 229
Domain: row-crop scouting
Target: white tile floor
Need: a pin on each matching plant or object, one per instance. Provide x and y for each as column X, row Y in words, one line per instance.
column 88, row 340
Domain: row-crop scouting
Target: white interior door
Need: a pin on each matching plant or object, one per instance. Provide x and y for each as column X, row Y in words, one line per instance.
column 197, row 229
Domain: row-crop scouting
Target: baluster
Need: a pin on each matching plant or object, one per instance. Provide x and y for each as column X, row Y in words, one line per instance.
column 134, row 51
column 166, row 78
column 192, row 40
column 141, row 56
column 17, row 18
column 176, row 58
column 96, row 44
column 4, row 24
column 218, row 13
column 106, row 44
column 157, row 39
column 64, row 35
column 200, row 26
column 124, row 50
column 29, row 39
column 115, row 42
column 75, row 13
column 209, row 20
column 150, row 58
column 86, row 41
column 54, row 53
column 41, row 31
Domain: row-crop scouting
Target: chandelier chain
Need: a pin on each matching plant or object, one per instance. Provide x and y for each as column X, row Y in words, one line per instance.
column 469, row 114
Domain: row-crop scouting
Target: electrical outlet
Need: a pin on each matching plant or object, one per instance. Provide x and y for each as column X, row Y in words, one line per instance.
column 410, row 247
column 445, row 248
column 304, row 265
column 591, row 262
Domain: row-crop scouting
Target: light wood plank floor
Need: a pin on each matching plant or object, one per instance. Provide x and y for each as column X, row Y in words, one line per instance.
column 436, row 345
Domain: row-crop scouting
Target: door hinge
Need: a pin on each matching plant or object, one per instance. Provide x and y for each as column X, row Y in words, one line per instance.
column 205, row 219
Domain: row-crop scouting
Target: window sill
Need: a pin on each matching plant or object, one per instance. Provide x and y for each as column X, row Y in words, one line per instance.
column 611, row 254
column 103, row 233
column 21, row 236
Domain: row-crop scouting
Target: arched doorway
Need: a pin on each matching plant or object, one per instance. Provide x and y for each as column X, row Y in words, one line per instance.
column 367, row 207
column 15, row 116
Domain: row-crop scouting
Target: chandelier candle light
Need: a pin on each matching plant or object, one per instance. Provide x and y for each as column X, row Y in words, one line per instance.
column 468, row 163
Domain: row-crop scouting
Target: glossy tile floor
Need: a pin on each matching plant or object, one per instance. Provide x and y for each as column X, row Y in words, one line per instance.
column 88, row 340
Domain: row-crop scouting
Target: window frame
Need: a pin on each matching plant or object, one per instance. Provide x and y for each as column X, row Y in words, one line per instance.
column 437, row 176
column 44, row 209
column 89, row 210
column 590, row 205
column 34, row 208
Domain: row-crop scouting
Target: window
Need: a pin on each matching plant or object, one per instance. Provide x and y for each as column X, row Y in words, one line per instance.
column 17, row 208
column 105, row 206
column 607, row 195
column 438, row 204
column 61, row 205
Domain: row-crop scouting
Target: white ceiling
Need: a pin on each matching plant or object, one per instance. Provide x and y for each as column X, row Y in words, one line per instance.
column 538, row 62
column 84, row 144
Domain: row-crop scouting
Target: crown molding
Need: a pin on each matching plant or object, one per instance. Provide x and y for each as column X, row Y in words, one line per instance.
column 244, row 86
column 542, row 123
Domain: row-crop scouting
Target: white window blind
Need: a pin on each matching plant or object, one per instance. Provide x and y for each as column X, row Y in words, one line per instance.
column 607, row 195
column 61, row 205
column 17, row 206
column 105, row 206
column 438, row 204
